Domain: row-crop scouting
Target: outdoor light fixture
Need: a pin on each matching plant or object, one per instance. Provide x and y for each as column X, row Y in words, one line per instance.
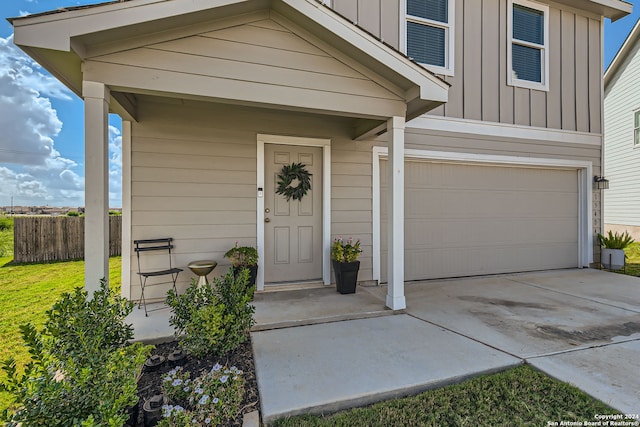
column 600, row 183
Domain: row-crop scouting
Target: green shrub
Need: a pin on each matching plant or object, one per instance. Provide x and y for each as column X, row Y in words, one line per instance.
column 615, row 241
column 213, row 318
column 73, row 213
column 82, row 372
column 242, row 256
column 73, row 316
column 345, row 252
column 6, row 223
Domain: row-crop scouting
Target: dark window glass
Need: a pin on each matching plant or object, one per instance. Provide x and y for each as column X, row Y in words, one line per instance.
column 528, row 24
column 527, row 63
column 436, row 10
column 426, row 44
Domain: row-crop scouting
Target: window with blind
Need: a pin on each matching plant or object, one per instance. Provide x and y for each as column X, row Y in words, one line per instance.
column 429, row 33
column 528, row 56
column 636, row 128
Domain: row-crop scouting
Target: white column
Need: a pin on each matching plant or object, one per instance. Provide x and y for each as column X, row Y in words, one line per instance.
column 126, row 210
column 395, row 226
column 96, row 194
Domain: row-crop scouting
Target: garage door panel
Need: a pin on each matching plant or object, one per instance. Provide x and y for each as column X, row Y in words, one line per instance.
column 477, row 203
column 473, row 220
column 475, row 261
column 444, row 234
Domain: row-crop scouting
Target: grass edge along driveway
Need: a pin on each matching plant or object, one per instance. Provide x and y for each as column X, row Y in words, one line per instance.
column 520, row 396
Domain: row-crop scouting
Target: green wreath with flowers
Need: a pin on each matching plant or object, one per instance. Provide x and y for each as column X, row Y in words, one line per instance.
column 289, row 173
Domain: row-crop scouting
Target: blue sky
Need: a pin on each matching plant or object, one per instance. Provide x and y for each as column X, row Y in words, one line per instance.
column 42, row 125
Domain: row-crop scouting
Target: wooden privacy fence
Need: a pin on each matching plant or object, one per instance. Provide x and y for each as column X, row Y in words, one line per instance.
column 44, row 238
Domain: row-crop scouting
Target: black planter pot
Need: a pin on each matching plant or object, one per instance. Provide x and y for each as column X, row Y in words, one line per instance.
column 346, row 276
column 253, row 273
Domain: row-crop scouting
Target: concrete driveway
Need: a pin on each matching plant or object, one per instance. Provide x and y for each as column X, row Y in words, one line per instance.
column 580, row 326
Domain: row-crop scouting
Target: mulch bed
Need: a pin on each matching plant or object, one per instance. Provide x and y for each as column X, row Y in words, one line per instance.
column 150, row 383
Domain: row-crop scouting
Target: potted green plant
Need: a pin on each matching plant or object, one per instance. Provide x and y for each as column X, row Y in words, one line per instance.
column 244, row 257
column 344, row 256
column 612, row 256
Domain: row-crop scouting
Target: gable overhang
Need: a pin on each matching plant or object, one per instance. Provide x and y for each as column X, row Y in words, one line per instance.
column 627, row 47
column 612, row 9
column 63, row 42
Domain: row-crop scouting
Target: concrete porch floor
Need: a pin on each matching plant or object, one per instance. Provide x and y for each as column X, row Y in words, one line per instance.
column 275, row 309
column 281, row 309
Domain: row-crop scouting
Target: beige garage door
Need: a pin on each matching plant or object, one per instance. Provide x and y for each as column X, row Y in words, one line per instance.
column 468, row 220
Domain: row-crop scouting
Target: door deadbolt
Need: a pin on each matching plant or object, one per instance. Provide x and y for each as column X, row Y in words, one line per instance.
column 267, row 210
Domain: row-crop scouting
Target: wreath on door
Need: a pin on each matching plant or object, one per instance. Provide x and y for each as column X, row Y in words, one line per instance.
column 287, row 176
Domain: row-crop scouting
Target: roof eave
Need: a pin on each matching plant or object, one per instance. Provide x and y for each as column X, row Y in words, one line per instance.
column 619, row 58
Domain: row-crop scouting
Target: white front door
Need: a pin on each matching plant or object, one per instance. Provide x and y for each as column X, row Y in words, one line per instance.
column 292, row 229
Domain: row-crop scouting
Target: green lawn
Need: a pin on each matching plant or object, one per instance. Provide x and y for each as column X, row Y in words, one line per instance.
column 521, row 396
column 633, row 259
column 6, row 238
column 27, row 291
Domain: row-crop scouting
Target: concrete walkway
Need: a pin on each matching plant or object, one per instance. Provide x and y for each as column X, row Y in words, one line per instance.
column 580, row 326
column 331, row 366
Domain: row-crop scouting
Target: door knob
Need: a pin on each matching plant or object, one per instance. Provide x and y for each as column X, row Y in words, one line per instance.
column 267, row 220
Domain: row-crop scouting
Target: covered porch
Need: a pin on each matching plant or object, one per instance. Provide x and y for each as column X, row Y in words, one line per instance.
column 227, row 78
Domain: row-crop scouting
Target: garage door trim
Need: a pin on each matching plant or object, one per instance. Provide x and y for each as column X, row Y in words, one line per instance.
column 584, row 168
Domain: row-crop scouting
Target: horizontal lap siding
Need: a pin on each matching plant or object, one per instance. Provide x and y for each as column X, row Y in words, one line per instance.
column 194, row 179
column 259, row 61
column 622, row 160
column 351, row 198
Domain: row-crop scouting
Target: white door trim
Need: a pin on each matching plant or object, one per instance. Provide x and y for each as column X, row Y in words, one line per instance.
column 585, row 206
column 326, row 197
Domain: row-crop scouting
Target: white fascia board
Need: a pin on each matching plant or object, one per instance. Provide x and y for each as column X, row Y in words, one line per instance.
column 615, row 9
column 437, row 88
column 621, row 55
column 54, row 31
column 503, row 130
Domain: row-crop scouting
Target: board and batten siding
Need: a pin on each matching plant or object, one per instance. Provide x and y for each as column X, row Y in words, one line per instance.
column 621, row 158
column 194, row 179
column 479, row 89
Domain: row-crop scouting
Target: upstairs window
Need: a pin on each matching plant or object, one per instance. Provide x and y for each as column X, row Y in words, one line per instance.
column 636, row 128
column 429, row 33
column 528, row 51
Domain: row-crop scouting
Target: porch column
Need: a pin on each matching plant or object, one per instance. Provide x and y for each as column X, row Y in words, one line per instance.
column 126, row 210
column 395, row 208
column 96, row 193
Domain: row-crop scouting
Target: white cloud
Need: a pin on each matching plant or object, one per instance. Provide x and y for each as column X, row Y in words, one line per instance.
column 31, row 169
column 28, row 121
column 115, row 167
